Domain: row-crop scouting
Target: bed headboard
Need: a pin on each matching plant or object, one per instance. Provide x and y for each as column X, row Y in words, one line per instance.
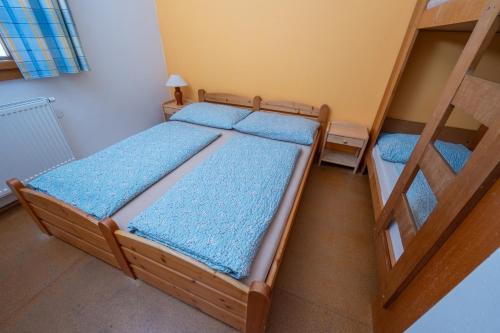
column 258, row 104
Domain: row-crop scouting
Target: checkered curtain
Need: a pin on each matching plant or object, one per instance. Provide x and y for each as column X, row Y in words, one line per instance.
column 41, row 37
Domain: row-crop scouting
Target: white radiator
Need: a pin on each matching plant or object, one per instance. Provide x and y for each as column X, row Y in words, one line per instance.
column 31, row 142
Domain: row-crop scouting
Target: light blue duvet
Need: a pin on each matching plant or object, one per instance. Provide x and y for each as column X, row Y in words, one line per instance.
column 105, row 181
column 219, row 212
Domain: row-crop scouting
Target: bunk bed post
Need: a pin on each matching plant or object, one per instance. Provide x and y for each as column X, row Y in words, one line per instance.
column 108, row 228
column 259, row 304
column 16, row 186
column 256, row 103
column 401, row 60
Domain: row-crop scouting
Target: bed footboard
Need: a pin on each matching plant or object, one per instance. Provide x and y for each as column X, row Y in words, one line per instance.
column 54, row 217
column 218, row 295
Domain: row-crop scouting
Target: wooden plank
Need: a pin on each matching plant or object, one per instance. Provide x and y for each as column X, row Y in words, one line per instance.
column 16, row 186
column 187, row 283
column 384, row 263
column 452, row 12
column 108, row 228
column 193, row 300
column 183, row 264
column 463, row 136
column 61, row 209
column 480, row 98
column 72, row 228
column 280, row 252
column 473, row 241
column 405, row 221
column 290, row 107
column 436, row 170
column 374, row 186
column 83, row 245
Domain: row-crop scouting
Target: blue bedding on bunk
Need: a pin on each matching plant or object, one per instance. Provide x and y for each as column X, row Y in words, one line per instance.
column 397, row 148
column 105, row 181
column 219, row 212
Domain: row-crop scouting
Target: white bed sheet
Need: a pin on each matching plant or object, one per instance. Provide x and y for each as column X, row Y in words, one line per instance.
column 388, row 175
column 435, row 3
column 263, row 260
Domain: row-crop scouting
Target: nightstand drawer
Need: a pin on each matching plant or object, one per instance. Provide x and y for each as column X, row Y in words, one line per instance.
column 343, row 140
column 169, row 111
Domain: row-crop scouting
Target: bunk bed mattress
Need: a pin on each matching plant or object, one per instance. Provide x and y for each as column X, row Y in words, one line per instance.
column 388, row 174
column 435, row 3
column 265, row 254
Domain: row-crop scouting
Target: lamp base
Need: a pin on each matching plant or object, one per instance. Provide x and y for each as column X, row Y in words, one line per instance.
column 178, row 95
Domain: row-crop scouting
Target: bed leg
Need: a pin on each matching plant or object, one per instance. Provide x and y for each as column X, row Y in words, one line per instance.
column 16, row 186
column 108, row 228
column 259, row 303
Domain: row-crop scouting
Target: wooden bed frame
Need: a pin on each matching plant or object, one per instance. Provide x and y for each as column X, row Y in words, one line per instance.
column 464, row 227
column 221, row 296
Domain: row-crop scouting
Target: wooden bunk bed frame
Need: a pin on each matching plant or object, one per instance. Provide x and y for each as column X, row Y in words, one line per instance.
column 464, row 227
column 221, row 296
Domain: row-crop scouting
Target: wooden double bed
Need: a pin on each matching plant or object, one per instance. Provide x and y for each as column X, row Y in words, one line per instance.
column 463, row 228
column 242, row 304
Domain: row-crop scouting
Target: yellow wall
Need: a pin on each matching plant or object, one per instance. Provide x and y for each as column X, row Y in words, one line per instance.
column 432, row 60
column 339, row 52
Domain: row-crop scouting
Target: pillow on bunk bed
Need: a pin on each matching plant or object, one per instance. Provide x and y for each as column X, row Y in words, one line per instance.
column 275, row 126
column 398, row 147
column 212, row 115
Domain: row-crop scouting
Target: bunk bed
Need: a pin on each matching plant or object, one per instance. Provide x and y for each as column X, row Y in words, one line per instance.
column 418, row 265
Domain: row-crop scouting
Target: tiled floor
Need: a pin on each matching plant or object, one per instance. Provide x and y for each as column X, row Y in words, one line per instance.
column 326, row 282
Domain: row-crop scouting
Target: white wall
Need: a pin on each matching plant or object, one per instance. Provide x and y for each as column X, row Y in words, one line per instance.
column 123, row 92
column 472, row 306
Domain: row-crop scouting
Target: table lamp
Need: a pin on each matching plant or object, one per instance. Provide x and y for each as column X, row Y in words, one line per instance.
column 177, row 82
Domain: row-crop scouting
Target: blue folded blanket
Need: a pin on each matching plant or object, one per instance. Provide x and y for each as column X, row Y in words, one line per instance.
column 219, row 212
column 397, row 148
column 105, row 181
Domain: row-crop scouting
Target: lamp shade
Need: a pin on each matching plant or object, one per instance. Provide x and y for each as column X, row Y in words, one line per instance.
column 176, row 81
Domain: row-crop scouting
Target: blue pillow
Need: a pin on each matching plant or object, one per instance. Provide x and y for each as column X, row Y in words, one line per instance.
column 279, row 127
column 212, row 115
column 397, row 148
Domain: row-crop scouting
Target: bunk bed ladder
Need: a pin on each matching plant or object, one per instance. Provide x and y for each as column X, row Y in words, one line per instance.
column 456, row 194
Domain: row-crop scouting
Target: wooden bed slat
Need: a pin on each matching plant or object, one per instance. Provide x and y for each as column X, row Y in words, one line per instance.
column 193, row 300
column 187, row 283
column 404, row 218
column 183, row 264
column 83, row 245
column 60, row 209
column 480, row 98
column 71, row 228
column 223, row 98
column 437, row 171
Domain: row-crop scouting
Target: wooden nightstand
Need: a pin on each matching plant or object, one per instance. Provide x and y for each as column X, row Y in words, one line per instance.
column 171, row 107
column 344, row 144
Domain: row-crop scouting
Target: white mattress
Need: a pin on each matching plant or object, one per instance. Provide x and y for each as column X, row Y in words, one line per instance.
column 265, row 255
column 388, row 175
column 435, row 3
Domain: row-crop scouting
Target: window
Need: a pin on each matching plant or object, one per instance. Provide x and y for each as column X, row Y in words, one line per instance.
column 4, row 54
